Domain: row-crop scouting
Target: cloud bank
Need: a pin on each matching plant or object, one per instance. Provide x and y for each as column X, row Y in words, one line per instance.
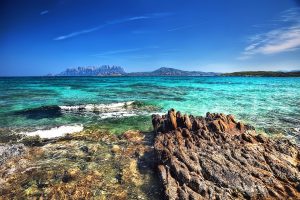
column 283, row 39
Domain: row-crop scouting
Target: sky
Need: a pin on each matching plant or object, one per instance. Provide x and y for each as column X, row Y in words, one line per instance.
column 38, row 37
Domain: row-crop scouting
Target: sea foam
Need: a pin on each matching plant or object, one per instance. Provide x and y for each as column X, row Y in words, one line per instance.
column 104, row 111
column 55, row 132
column 113, row 107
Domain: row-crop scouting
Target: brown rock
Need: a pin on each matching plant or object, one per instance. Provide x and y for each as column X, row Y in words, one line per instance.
column 173, row 120
column 115, row 148
column 187, row 122
column 219, row 158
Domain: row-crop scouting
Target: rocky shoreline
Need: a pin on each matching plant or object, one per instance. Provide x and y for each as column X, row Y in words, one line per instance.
column 87, row 165
column 215, row 157
column 185, row 157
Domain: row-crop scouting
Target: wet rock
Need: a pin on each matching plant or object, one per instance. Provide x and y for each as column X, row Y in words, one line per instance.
column 66, row 177
column 85, row 149
column 219, row 158
column 32, row 141
column 83, row 166
column 133, row 136
column 41, row 112
column 8, row 151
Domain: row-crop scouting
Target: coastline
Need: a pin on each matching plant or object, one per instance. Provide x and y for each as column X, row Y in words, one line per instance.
column 97, row 164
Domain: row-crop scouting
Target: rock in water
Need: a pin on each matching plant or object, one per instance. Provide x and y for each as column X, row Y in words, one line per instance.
column 8, row 151
column 219, row 158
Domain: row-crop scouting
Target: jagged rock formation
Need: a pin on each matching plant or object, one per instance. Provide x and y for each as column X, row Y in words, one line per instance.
column 104, row 70
column 215, row 157
column 107, row 70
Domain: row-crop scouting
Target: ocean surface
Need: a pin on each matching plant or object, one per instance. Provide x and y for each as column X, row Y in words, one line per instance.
column 116, row 104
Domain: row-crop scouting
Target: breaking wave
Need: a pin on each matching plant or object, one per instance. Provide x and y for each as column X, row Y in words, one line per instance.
column 55, row 132
column 113, row 107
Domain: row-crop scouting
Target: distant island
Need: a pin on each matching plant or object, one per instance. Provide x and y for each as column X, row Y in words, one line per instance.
column 106, row 70
column 165, row 71
column 264, row 74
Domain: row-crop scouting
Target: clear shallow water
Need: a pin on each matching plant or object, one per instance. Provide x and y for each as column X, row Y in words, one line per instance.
column 270, row 103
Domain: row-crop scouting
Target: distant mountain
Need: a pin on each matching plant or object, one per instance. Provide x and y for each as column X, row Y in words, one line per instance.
column 265, row 73
column 104, row 70
column 165, row 71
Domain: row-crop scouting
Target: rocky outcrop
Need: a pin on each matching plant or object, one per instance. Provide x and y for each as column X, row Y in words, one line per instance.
column 216, row 157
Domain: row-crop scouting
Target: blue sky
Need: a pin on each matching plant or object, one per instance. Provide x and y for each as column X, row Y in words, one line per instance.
column 40, row 37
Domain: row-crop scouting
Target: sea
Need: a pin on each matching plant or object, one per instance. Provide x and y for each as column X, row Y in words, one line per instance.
column 53, row 106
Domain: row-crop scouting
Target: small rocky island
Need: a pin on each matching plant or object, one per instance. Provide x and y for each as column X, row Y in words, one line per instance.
column 185, row 157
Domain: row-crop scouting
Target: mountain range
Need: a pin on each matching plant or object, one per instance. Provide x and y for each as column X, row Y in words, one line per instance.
column 107, row 70
column 104, row 70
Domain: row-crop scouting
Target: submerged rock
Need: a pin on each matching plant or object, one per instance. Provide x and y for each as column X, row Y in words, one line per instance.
column 83, row 166
column 41, row 112
column 215, row 157
column 9, row 151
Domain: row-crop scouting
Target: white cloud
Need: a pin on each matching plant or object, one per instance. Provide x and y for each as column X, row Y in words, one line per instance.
column 283, row 39
column 123, row 51
column 78, row 33
column 118, row 21
column 44, row 12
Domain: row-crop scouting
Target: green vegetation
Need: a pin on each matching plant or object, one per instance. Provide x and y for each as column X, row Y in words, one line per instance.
column 264, row 74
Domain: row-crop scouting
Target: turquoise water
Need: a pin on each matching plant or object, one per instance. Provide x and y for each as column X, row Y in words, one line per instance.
column 267, row 103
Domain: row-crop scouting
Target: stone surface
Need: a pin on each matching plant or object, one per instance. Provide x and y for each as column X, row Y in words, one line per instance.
column 215, row 157
column 10, row 151
column 82, row 166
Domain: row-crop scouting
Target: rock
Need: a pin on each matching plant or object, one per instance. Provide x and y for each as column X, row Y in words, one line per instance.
column 9, row 151
column 219, row 158
column 133, row 136
column 131, row 174
column 66, row 177
column 41, row 112
column 172, row 117
column 32, row 141
column 115, row 148
column 85, row 149
column 187, row 122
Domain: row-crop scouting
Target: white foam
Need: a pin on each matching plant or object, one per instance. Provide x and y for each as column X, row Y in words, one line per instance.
column 55, row 132
column 104, row 111
column 117, row 114
column 113, row 107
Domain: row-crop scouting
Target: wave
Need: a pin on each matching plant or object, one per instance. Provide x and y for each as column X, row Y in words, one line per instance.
column 55, row 132
column 112, row 110
column 100, row 107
